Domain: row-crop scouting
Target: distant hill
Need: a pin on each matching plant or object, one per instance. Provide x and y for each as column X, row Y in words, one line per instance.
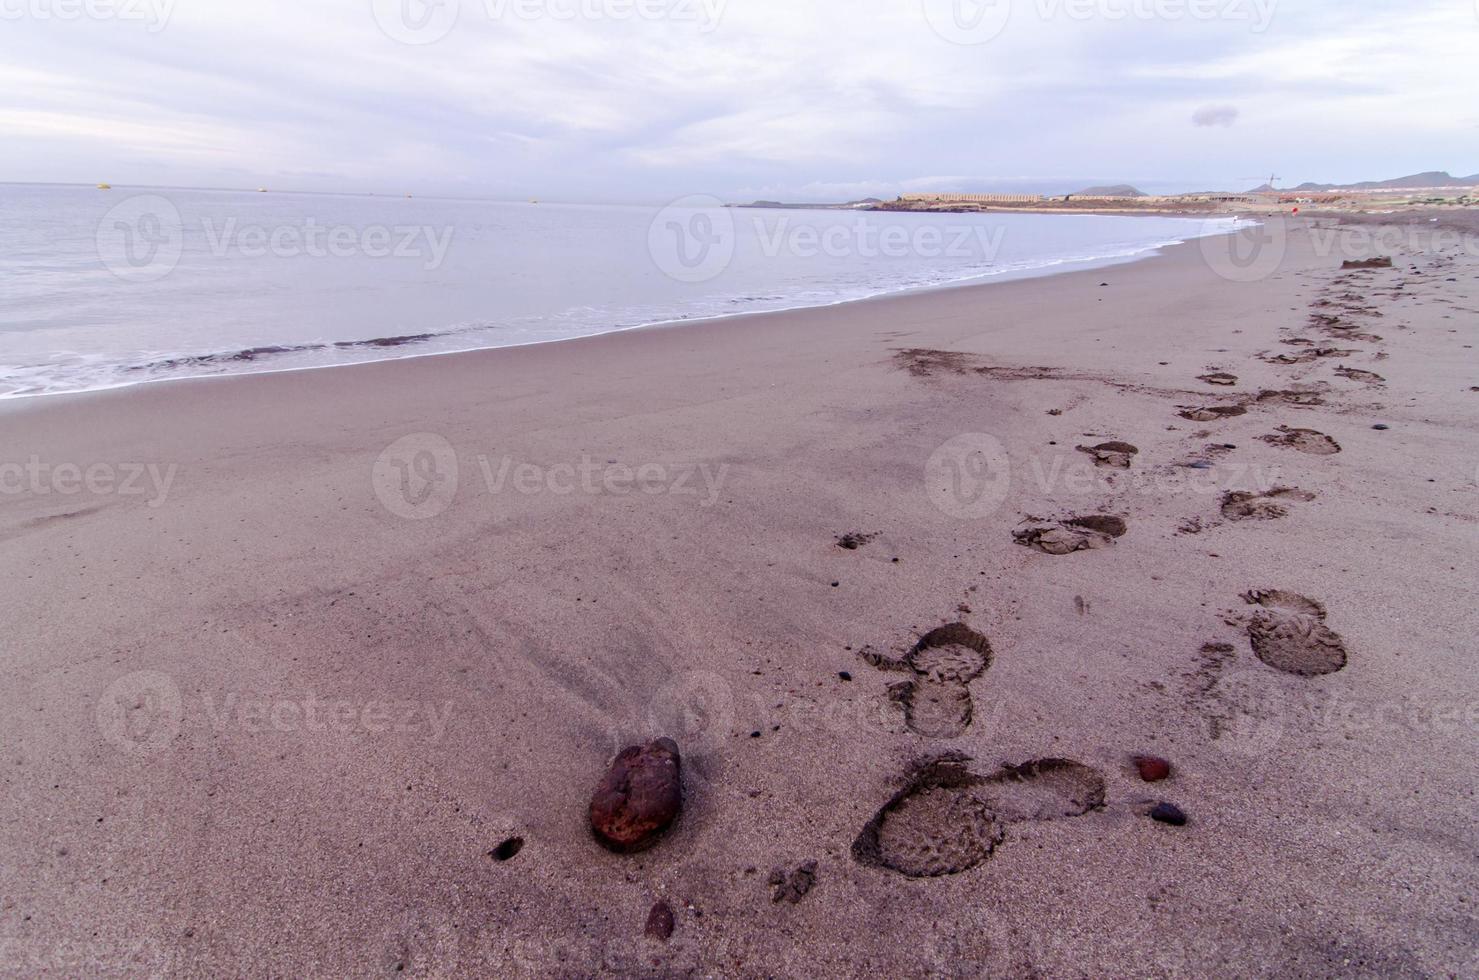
column 777, row 205
column 1433, row 178
column 1115, row 190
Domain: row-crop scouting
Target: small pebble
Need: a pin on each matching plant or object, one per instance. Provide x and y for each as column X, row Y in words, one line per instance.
column 1381, row 428
column 1168, row 813
column 507, row 850
column 660, row 922
column 1200, row 464
column 1152, row 768
column 844, row 675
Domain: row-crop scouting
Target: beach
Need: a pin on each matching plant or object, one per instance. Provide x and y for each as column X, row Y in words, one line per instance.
column 295, row 658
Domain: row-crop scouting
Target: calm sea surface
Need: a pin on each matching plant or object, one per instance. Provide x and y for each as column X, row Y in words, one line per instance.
column 102, row 288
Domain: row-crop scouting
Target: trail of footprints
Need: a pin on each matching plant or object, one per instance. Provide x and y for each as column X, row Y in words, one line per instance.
column 947, row 819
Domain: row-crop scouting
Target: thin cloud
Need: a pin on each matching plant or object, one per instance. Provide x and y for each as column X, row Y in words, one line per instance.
column 1215, row 115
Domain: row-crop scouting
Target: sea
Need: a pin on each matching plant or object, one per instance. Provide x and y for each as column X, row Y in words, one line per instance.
column 103, row 287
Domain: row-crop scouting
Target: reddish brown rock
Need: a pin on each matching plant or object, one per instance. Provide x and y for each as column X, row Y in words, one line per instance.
column 639, row 797
column 660, row 922
column 1152, row 768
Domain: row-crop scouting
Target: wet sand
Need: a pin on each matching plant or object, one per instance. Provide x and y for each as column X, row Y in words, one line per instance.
column 314, row 673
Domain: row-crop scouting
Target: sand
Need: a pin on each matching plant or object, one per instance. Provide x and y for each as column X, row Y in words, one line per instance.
column 286, row 698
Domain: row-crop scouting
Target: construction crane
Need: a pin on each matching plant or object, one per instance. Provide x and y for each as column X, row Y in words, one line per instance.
column 1268, row 181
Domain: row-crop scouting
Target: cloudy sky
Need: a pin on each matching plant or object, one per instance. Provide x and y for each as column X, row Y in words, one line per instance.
column 647, row 100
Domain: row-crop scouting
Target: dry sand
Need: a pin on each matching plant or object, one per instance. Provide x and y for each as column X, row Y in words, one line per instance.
column 268, row 722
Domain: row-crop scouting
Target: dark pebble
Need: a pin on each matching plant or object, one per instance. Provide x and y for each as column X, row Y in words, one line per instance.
column 844, row 675
column 638, row 797
column 660, row 922
column 1381, row 428
column 507, row 850
column 1152, row 768
column 1168, row 813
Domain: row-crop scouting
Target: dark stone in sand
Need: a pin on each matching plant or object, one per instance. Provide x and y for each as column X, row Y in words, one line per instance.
column 507, row 850
column 844, row 675
column 1381, row 428
column 1168, row 813
column 1152, row 768
column 660, row 921
column 639, row 797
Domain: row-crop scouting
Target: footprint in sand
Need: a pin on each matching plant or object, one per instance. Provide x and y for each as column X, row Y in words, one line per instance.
column 1309, row 355
column 1213, row 413
column 1356, row 374
column 1074, row 534
column 1113, row 454
column 1291, row 397
column 948, row 819
column 1304, row 440
column 1242, row 505
column 937, row 698
column 1288, row 632
column 1219, row 378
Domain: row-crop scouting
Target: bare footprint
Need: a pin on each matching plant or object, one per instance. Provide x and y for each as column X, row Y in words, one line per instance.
column 1074, row 534
column 1112, row 454
column 937, row 698
column 1288, row 632
column 1304, row 440
column 947, row 819
column 1246, row 506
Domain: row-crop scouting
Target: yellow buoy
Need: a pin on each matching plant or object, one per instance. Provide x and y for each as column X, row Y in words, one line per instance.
column 105, row 187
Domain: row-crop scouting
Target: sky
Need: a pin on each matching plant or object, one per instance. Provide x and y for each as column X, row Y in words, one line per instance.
column 798, row 100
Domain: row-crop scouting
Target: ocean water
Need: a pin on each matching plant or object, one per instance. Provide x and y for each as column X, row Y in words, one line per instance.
column 104, row 288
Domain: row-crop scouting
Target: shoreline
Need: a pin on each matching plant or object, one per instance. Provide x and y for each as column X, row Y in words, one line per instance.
column 1053, row 268
column 292, row 698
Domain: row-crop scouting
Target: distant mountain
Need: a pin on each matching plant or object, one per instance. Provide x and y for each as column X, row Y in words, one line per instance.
column 1433, row 178
column 1115, row 190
